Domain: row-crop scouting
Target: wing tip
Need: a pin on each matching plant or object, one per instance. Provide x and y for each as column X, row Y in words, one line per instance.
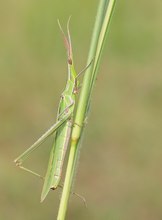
column 43, row 195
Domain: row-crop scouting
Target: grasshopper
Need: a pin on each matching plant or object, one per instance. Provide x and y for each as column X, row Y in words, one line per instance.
column 62, row 128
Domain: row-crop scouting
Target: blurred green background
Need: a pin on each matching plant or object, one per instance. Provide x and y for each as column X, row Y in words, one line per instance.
column 119, row 170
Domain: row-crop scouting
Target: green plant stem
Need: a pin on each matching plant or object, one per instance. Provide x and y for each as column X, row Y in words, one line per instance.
column 98, row 38
column 100, row 46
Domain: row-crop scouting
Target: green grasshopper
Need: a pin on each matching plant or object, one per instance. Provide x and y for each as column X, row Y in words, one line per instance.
column 62, row 127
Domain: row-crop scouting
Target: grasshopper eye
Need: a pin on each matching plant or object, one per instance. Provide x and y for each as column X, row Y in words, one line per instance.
column 70, row 61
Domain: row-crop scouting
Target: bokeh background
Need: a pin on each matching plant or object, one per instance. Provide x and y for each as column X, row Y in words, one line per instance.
column 120, row 166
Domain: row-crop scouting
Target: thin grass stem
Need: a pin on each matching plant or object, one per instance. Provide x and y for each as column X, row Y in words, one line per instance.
column 102, row 22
